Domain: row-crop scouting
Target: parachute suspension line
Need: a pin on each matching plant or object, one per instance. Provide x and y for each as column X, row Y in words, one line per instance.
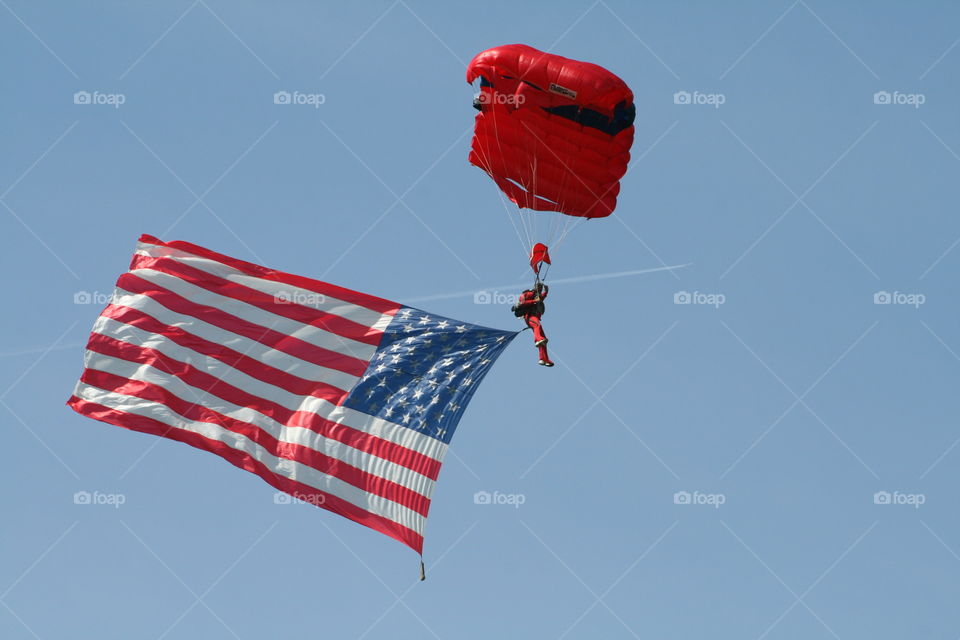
column 545, row 269
column 423, row 571
column 525, row 237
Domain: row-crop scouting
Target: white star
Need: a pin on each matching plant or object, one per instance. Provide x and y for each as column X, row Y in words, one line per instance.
column 460, row 328
column 443, row 324
column 485, row 362
column 425, row 320
column 417, row 394
column 405, row 313
column 388, row 412
column 379, row 368
column 454, row 407
column 406, row 418
column 467, row 382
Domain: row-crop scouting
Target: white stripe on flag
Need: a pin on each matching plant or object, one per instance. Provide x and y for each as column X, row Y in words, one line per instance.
column 251, row 348
column 383, row 429
column 281, row 466
column 323, row 338
column 304, row 297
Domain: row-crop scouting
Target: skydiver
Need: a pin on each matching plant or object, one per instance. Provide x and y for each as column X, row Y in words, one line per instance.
column 530, row 306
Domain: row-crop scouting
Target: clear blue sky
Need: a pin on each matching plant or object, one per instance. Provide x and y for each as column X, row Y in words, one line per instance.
column 793, row 403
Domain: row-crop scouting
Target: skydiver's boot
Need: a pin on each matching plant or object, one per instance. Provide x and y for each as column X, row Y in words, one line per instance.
column 544, row 358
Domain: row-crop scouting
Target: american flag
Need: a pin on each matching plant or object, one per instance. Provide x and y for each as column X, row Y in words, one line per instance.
column 341, row 399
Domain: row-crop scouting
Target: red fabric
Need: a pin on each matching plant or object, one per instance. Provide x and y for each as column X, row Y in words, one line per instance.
column 529, row 296
column 538, row 255
column 541, row 160
column 533, row 321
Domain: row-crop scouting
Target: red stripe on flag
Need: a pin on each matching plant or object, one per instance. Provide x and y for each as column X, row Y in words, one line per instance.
column 245, row 461
column 350, row 474
column 194, row 377
column 279, row 341
column 370, row 302
column 221, row 286
column 232, row 358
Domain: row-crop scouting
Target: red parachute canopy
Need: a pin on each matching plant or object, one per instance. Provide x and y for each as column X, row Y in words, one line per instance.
column 554, row 133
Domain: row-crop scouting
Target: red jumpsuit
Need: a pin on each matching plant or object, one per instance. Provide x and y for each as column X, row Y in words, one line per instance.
column 533, row 309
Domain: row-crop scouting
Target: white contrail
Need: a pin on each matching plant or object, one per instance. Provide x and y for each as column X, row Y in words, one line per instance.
column 32, row 350
column 523, row 285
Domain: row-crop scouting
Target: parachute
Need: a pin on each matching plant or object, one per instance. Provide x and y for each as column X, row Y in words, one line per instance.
column 539, row 255
column 553, row 133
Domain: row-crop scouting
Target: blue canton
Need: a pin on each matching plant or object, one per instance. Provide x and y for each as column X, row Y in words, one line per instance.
column 425, row 371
